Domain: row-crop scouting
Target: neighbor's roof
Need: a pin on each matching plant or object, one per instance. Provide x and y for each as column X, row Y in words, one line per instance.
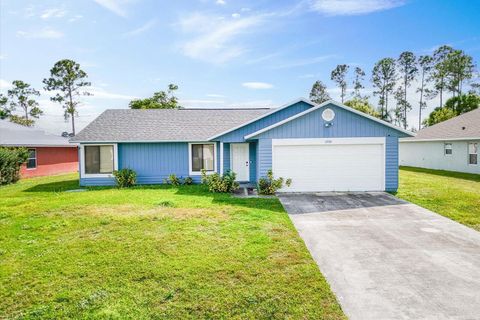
column 12, row 134
column 463, row 127
column 126, row 125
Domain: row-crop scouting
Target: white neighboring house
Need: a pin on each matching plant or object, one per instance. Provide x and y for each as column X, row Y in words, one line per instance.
column 452, row 145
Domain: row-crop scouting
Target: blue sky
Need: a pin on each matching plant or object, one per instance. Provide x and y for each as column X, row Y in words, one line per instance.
column 221, row 53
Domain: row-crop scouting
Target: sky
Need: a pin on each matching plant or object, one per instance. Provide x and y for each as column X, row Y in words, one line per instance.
column 221, row 53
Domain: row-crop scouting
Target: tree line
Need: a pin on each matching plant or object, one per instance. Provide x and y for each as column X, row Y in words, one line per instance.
column 68, row 83
column 446, row 72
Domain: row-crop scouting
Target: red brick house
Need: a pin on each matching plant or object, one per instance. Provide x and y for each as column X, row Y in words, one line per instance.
column 48, row 154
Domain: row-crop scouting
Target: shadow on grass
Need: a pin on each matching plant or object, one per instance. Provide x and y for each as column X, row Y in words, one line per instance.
column 192, row 190
column 57, row 186
column 444, row 173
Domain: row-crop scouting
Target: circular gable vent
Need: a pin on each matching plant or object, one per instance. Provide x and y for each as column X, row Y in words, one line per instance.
column 328, row 114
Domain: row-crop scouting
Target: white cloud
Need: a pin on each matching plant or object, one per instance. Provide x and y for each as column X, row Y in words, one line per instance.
column 304, row 62
column 221, row 2
column 235, row 15
column 4, row 84
column 353, row 7
column 214, row 95
column 145, row 27
column 192, row 103
column 45, row 33
column 75, row 18
column 257, row 85
column 3, row 56
column 114, row 6
column 53, row 13
column 215, row 38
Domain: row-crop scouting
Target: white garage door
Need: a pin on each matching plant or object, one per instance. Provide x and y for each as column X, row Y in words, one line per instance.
column 342, row 164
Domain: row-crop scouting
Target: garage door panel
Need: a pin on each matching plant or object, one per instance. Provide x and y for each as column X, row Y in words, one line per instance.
column 329, row 167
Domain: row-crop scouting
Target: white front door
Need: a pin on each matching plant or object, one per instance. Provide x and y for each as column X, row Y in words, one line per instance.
column 240, row 161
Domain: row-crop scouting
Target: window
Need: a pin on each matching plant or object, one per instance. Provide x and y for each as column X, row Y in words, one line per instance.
column 448, row 149
column 472, row 153
column 32, row 159
column 202, row 157
column 99, row 159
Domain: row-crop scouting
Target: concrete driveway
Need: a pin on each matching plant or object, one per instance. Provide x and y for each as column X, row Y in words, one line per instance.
column 389, row 259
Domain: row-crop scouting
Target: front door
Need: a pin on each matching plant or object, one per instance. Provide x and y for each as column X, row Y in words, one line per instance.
column 240, row 161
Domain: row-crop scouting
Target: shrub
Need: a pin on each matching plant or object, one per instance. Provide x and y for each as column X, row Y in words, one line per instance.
column 11, row 159
column 188, row 181
column 125, row 178
column 174, row 180
column 269, row 185
column 217, row 183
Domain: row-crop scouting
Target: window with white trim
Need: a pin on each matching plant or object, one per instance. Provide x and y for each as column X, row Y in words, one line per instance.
column 98, row 159
column 473, row 153
column 202, row 157
column 32, row 159
column 448, row 149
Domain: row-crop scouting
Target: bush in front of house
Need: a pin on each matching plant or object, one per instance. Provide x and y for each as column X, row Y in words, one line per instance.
column 225, row 183
column 269, row 185
column 188, row 181
column 11, row 160
column 125, row 178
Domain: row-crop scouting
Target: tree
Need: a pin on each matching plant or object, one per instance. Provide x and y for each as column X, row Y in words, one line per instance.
column 68, row 80
column 463, row 103
column 407, row 67
column 5, row 111
column 459, row 67
column 384, row 77
column 426, row 64
column 338, row 75
column 438, row 115
column 160, row 100
column 440, row 70
column 362, row 105
column 21, row 96
column 453, row 107
column 358, row 82
column 319, row 93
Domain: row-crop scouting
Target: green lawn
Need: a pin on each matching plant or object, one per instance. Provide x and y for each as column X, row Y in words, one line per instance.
column 152, row 252
column 452, row 194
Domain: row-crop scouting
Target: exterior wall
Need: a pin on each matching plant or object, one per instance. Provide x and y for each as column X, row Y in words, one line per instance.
column 51, row 161
column 239, row 134
column 431, row 155
column 346, row 124
column 153, row 162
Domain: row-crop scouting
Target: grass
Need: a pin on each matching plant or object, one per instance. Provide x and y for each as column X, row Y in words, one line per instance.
column 452, row 194
column 152, row 252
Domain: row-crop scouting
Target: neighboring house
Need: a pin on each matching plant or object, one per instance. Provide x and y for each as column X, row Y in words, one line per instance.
column 450, row 145
column 320, row 147
column 48, row 154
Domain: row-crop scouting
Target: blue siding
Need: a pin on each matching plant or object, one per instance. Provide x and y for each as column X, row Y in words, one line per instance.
column 91, row 182
column 346, row 124
column 264, row 157
column 226, row 157
column 237, row 135
column 253, row 161
column 391, row 164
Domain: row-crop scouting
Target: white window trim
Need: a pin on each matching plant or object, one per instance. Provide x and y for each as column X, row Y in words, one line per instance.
column 468, row 153
column 97, row 175
column 36, row 160
column 198, row 173
column 445, row 149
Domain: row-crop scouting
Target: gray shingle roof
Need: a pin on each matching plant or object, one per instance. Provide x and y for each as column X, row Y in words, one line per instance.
column 124, row 125
column 12, row 134
column 465, row 126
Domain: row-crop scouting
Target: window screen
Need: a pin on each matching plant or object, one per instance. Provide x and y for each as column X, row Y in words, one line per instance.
column 448, row 148
column 472, row 153
column 32, row 159
column 203, row 157
column 98, row 159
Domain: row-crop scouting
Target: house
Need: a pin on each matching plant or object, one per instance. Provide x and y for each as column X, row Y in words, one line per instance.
column 320, row 147
column 449, row 145
column 48, row 154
